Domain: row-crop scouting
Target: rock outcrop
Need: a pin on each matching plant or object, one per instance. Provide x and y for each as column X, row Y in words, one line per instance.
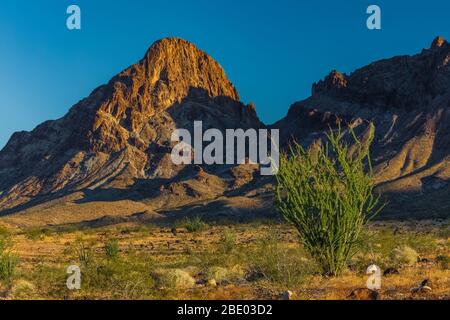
column 407, row 98
column 118, row 138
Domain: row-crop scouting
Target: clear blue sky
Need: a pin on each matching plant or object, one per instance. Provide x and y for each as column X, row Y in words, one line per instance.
column 272, row 50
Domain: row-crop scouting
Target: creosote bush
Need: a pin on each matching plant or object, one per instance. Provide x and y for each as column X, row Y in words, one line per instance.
column 327, row 193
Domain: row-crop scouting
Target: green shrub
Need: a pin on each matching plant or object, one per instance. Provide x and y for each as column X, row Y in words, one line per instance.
column 127, row 278
column 112, row 249
column 228, row 243
column 8, row 261
column 84, row 253
column 281, row 265
column 328, row 196
column 192, row 224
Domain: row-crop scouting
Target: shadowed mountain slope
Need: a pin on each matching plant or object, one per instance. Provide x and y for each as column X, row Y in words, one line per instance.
column 407, row 98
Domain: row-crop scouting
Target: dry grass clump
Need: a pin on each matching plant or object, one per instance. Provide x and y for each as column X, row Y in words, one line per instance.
column 405, row 256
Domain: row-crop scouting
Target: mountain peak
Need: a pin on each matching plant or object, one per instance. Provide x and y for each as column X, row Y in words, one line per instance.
column 122, row 132
column 179, row 63
column 333, row 83
column 438, row 42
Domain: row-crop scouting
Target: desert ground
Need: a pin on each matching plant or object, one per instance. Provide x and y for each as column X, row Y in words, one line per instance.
column 193, row 259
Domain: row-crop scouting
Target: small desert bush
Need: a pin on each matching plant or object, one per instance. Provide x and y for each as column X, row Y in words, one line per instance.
column 112, row 249
column 110, row 275
column 173, row 279
column 127, row 278
column 227, row 275
column 49, row 279
column 83, row 252
column 8, row 261
column 278, row 264
column 404, row 256
column 228, row 243
column 192, row 224
column 327, row 193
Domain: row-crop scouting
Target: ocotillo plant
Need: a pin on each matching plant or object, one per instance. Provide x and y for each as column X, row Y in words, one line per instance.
column 327, row 193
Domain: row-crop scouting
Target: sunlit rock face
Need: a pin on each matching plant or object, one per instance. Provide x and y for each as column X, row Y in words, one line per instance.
column 121, row 133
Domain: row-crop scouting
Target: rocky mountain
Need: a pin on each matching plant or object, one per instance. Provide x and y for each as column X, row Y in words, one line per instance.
column 407, row 98
column 109, row 157
column 115, row 144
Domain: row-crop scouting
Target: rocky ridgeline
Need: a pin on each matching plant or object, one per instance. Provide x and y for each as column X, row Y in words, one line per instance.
column 408, row 100
column 115, row 144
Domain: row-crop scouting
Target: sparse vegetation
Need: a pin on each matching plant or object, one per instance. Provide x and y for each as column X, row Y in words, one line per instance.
column 228, row 244
column 8, row 261
column 286, row 267
column 404, row 256
column 84, row 253
column 327, row 193
column 226, row 261
column 112, row 249
column 222, row 275
column 192, row 224
column 174, row 279
column 36, row 233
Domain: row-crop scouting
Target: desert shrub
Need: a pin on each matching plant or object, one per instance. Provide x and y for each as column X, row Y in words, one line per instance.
column 327, row 193
column 8, row 264
column 228, row 243
column 404, row 256
column 125, row 278
column 278, row 264
column 174, row 279
column 192, row 224
column 84, row 253
column 112, row 249
column 8, row 261
column 224, row 275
